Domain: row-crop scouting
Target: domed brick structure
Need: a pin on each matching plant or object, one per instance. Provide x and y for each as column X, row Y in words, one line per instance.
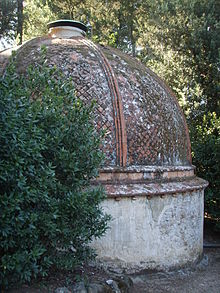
column 153, row 195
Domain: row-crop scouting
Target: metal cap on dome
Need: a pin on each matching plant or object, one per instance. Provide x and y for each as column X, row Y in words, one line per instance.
column 65, row 28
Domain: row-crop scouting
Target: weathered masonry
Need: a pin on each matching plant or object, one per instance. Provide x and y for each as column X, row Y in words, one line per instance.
column 153, row 195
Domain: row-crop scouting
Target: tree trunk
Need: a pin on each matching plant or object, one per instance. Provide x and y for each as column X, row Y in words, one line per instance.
column 133, row 43
column 20, row 21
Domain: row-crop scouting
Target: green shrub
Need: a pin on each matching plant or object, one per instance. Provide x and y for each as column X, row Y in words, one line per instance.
column 49, row 153
column 206, row 157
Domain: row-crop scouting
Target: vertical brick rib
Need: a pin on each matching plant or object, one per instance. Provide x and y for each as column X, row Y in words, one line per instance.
column 119, row 120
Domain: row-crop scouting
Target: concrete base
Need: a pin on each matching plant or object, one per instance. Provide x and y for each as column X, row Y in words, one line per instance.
column 157, row 232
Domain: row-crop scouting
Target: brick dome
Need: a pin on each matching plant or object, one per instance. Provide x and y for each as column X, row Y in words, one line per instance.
column 143, row 122
column 153, row 195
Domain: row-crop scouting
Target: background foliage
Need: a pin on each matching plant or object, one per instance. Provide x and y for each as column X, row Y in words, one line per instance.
column 49, row 153
column 178, row 39
column 8, row 19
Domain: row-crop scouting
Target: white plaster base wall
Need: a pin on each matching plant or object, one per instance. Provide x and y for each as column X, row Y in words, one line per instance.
column 156, row 233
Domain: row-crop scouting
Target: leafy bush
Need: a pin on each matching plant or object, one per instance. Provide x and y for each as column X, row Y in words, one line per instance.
column 49, row 153
column 206, row 157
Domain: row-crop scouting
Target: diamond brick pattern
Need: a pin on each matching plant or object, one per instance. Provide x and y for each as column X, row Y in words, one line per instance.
column 156, row 130
column 143, row 123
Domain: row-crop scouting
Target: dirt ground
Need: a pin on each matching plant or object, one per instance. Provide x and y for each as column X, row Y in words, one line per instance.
column 202, row 278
